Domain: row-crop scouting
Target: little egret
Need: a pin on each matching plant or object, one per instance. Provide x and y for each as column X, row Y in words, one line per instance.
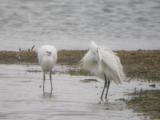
column 105, row 64
column 47, row 58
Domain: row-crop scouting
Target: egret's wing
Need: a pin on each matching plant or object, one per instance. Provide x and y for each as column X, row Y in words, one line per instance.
column 89, row 62
column 111, row 65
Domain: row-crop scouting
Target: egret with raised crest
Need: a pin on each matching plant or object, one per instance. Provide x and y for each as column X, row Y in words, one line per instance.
column 105, row 64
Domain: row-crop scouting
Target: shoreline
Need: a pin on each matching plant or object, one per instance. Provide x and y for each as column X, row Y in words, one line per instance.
column 143, row 64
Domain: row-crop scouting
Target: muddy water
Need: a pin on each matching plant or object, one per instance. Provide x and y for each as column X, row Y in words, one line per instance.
column 21, row 96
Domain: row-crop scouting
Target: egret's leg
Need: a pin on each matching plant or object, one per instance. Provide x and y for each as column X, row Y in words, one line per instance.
column 44, row 78
column 108, row 84
column 50, row 76
column 105, row 84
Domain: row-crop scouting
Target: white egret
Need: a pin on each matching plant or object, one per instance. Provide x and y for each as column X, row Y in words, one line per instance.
column 47, row 58
column 105, row 64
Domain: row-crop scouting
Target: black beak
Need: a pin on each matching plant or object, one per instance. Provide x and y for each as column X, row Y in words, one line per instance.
column 48, row 53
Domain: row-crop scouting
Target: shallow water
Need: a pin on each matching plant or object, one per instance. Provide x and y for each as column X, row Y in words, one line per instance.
column 71, row 24
column 21, row 96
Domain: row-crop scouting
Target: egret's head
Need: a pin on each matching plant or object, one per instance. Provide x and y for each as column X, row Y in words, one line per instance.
column 48, row 53
column 94, row 49
column 98, row 54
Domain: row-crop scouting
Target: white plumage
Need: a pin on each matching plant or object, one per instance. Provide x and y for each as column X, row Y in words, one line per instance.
column 47, row 58
column 105, row 64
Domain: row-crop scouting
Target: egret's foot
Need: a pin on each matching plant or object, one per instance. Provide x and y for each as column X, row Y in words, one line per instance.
column 51, row 94
column 101, row 98
column 101, row 101
column 106, row 100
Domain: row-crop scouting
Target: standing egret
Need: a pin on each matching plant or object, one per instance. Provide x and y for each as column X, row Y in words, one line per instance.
column 105, row 64
column 47, row 58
